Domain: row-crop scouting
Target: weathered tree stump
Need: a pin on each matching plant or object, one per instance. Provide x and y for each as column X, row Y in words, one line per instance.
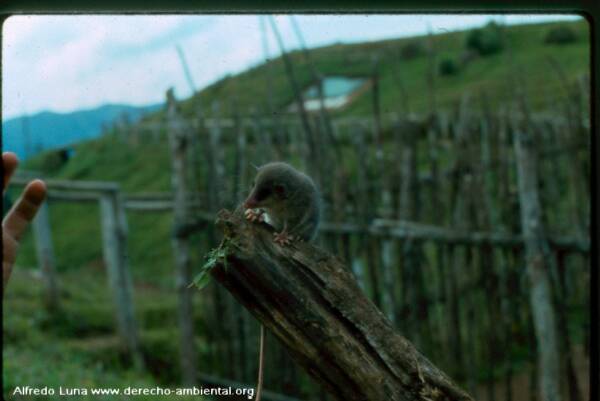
column 309, row 300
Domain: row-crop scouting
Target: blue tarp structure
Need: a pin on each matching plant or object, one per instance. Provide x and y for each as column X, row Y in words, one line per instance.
column 338, row 91
column 334, row 87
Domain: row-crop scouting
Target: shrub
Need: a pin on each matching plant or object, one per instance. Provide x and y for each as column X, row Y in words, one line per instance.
column 485, row 41
column 412, row 50
column 448, row 66
column 51, row 161
column 560, row 35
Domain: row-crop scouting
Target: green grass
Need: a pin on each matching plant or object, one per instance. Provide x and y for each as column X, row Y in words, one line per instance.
column 76, row 230
column 78, row 347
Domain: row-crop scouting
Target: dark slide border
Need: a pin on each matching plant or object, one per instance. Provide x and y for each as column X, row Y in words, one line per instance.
column 590, row 9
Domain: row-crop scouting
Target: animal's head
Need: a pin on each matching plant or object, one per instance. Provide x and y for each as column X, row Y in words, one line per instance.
column 271, row 186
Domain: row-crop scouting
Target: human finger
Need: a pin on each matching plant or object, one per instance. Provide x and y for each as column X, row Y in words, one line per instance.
column 9, row 163
column 24, row 209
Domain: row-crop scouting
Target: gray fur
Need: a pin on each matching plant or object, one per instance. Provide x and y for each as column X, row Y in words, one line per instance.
column 298, row 209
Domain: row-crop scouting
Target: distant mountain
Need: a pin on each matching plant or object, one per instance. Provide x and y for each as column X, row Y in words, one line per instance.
column 28, row 135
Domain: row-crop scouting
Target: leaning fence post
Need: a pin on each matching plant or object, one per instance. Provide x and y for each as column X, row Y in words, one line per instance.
column 179, row 141
column 114, row 241
column 538, row 269
column 45, row 255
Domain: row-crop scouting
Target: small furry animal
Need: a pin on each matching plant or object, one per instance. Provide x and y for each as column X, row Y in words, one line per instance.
column 289, row 198
column 292, row 205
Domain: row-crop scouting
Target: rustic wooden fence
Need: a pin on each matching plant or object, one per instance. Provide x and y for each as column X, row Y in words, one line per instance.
column 509, row 274
column 446, row 222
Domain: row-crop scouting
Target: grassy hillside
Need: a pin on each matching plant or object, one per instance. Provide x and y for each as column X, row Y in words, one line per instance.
column 489, row 74
column 146, row 168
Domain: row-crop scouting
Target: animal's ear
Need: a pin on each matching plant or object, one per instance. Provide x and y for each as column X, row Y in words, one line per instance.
column 255, row 166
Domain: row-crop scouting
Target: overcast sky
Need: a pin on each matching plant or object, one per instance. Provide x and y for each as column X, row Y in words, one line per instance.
column 65, row 63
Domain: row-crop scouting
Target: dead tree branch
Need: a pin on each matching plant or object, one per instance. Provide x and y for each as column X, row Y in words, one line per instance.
column 309, row 300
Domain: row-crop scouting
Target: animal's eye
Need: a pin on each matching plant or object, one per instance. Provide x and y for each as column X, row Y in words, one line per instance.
column 279, row 189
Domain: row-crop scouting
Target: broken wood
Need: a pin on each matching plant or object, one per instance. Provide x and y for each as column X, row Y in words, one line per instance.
column 310, row 301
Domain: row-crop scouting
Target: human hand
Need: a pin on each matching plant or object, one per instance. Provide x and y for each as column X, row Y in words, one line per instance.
column 19, row 216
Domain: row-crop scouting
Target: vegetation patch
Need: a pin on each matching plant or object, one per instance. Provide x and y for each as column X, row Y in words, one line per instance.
column 487, row 40
column 560, row 35
column 448, row 66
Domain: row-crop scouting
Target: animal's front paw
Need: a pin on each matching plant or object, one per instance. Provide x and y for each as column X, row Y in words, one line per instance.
column 254, row 215
column 283, row 238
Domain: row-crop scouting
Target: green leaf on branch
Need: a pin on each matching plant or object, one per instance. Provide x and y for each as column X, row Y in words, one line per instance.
column 216, row 255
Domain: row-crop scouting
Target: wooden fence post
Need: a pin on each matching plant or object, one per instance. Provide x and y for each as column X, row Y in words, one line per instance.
column 413, row 286
column 538, row 269
column 114, row 240
column 240, row 161
column 389, row 265
column 314, row 151
column 45, row 256
column 179, row 141
column 217, row 160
